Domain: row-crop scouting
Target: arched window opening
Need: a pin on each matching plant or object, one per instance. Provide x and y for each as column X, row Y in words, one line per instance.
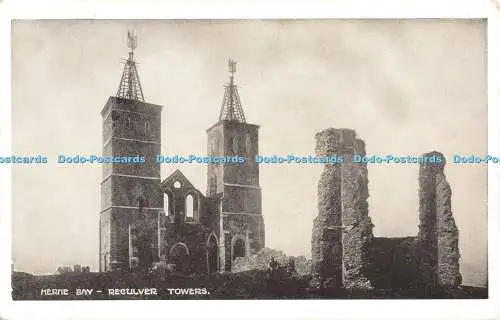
column 238, row 249
column 189, row 206
column 114, row 117
column 166, row 204
column 177, row 184
column 248, row 143
column 234, row 145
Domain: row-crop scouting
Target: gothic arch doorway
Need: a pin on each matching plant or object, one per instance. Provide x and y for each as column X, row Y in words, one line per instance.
column 179, row 256
column 212, row 254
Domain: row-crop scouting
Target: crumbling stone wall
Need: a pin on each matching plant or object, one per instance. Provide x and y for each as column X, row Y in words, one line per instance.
column 327, row 234
column 357, row 231
column 448, row 252
column 344, row 251
column 427, row 233
column 342, row 230
column 438, row 233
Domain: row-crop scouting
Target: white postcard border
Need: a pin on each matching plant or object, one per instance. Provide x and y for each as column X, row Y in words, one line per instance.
column 289, row 309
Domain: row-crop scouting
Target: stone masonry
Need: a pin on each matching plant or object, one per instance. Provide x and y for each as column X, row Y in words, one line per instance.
column 344, row 251
column 357, row 231
column 146, row 222
column 342, row 230
column 438, row 233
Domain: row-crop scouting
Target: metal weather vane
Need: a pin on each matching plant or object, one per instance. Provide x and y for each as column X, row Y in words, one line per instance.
column 130, row 85
column 232, row 109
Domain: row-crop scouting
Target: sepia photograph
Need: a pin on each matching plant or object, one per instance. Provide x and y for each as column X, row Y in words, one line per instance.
column 249, row 159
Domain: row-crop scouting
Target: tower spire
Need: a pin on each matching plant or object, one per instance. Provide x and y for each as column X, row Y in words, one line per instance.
column 130, row 86
column 231, row 105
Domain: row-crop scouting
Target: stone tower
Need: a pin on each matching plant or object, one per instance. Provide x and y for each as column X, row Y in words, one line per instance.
column 130, row 194
column 241, row 222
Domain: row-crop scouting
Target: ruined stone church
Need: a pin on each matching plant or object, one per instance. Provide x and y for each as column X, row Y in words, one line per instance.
column 144, row 220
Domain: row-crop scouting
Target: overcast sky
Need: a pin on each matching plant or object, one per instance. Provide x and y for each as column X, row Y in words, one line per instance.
column 406, row 87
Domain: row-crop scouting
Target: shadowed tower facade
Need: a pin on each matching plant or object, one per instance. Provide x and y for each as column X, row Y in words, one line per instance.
column 130, row 193
column 237, row 184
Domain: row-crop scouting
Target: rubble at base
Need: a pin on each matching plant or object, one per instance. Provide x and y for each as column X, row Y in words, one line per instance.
column 260, row 261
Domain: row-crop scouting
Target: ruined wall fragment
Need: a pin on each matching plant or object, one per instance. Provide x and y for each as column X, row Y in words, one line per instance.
column 438, row 233
column 448, row 269
column 342, row 230
column 427, row 233
column 326, row 236
column 357, row 225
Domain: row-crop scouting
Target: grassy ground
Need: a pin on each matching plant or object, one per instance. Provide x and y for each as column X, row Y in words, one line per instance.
column 243, row 285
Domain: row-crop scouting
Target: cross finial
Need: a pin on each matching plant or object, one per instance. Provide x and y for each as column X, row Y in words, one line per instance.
column 232, row 67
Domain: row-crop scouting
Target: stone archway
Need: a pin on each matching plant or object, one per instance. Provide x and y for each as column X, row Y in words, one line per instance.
column 179, row 256
column 212, row 254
